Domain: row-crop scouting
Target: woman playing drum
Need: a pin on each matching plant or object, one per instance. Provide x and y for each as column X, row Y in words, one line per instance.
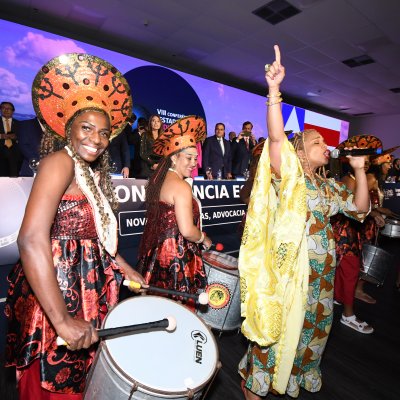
column 70, row 271
column 169, row 253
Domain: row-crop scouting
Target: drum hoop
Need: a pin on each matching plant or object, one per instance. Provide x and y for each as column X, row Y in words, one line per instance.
column 226, row 270
column 207, row 260
column 392, row 221
column 378, row 249
column 150, row 389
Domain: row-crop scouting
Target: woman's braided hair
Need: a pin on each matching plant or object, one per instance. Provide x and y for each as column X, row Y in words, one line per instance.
column 318, row 177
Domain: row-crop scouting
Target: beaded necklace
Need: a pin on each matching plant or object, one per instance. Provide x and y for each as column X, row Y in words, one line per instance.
column 107, row 233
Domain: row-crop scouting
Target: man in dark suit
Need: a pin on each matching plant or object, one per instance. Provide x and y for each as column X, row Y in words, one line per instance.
column 10, row 156
column 217, row 154
column 29, row 138
column 119, row 154
column 242, row 148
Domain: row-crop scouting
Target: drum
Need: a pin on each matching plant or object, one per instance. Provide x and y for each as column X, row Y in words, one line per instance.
column 376, row 263
column 391, row 228
column 223, row 311
column 153, row 364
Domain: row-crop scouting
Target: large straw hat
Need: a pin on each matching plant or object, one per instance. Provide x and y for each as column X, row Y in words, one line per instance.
column 72, row 82
column 184, row 133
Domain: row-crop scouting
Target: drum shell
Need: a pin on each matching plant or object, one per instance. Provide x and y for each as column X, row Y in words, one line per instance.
column 224, row 314
column 376, row 263
column 108, row 379
column 391, row 228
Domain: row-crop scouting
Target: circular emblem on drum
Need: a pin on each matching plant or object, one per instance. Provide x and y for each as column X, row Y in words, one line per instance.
column 218, row 295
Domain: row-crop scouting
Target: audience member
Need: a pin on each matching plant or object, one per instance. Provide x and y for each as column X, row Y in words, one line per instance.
column 119, row 154
column 242, row 148
column 135, row 141
column 10, row 156
column 29, row 137
column 149, row 159
column 217, row 156
column 232, row 136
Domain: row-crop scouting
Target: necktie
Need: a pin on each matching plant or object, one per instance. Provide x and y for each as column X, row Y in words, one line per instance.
column 221, row 143
column 247, row 143
column 8, row 142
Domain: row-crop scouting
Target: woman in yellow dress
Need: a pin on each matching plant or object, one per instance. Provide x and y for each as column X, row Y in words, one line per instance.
column 287, row 257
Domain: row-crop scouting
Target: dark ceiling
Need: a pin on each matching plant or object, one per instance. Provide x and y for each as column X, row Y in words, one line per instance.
column 223, row 40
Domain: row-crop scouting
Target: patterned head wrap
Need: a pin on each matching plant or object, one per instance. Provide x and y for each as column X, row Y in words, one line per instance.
column 184, row 133
column 72, row 82
column 362, row 142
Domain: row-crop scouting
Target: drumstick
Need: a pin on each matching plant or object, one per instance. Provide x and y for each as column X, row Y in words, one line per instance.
column 168, row 323
column 202, row 298
column 217, row 246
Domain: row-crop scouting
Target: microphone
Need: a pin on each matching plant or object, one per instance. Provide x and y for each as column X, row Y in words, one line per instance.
column 336, row 153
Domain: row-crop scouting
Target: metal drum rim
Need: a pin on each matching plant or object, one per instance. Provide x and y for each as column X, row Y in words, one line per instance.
column 148, row 389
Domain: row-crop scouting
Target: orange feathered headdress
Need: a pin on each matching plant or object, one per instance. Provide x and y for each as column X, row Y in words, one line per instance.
column 184, row 133
column 71, row 82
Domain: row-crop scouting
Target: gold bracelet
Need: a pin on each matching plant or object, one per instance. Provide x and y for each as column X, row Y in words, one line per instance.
column 279, row 94
column 201, row 240
column 269, row 103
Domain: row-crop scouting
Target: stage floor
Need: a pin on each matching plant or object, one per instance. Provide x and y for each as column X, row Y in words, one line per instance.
column 354, row 367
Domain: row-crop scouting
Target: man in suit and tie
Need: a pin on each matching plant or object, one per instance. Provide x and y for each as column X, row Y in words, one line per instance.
column 29, row 137
column 119, row 154
column 10, row 156
column 242, row 148
column 217, row 154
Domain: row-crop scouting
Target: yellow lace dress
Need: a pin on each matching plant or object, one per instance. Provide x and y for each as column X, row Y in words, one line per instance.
column 287, row 267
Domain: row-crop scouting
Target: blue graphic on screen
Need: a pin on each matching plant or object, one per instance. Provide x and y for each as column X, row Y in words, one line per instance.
column 158, row 90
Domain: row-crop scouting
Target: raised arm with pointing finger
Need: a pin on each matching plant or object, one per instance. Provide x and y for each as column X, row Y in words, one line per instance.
column 287, row 256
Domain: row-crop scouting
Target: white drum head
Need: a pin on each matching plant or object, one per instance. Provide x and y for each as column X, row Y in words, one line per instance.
column 162, row 361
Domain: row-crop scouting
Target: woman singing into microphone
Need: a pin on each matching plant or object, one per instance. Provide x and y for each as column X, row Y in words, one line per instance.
column 287, row 255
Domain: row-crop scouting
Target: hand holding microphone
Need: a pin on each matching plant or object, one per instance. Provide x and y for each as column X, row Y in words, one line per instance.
column 336, row 153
